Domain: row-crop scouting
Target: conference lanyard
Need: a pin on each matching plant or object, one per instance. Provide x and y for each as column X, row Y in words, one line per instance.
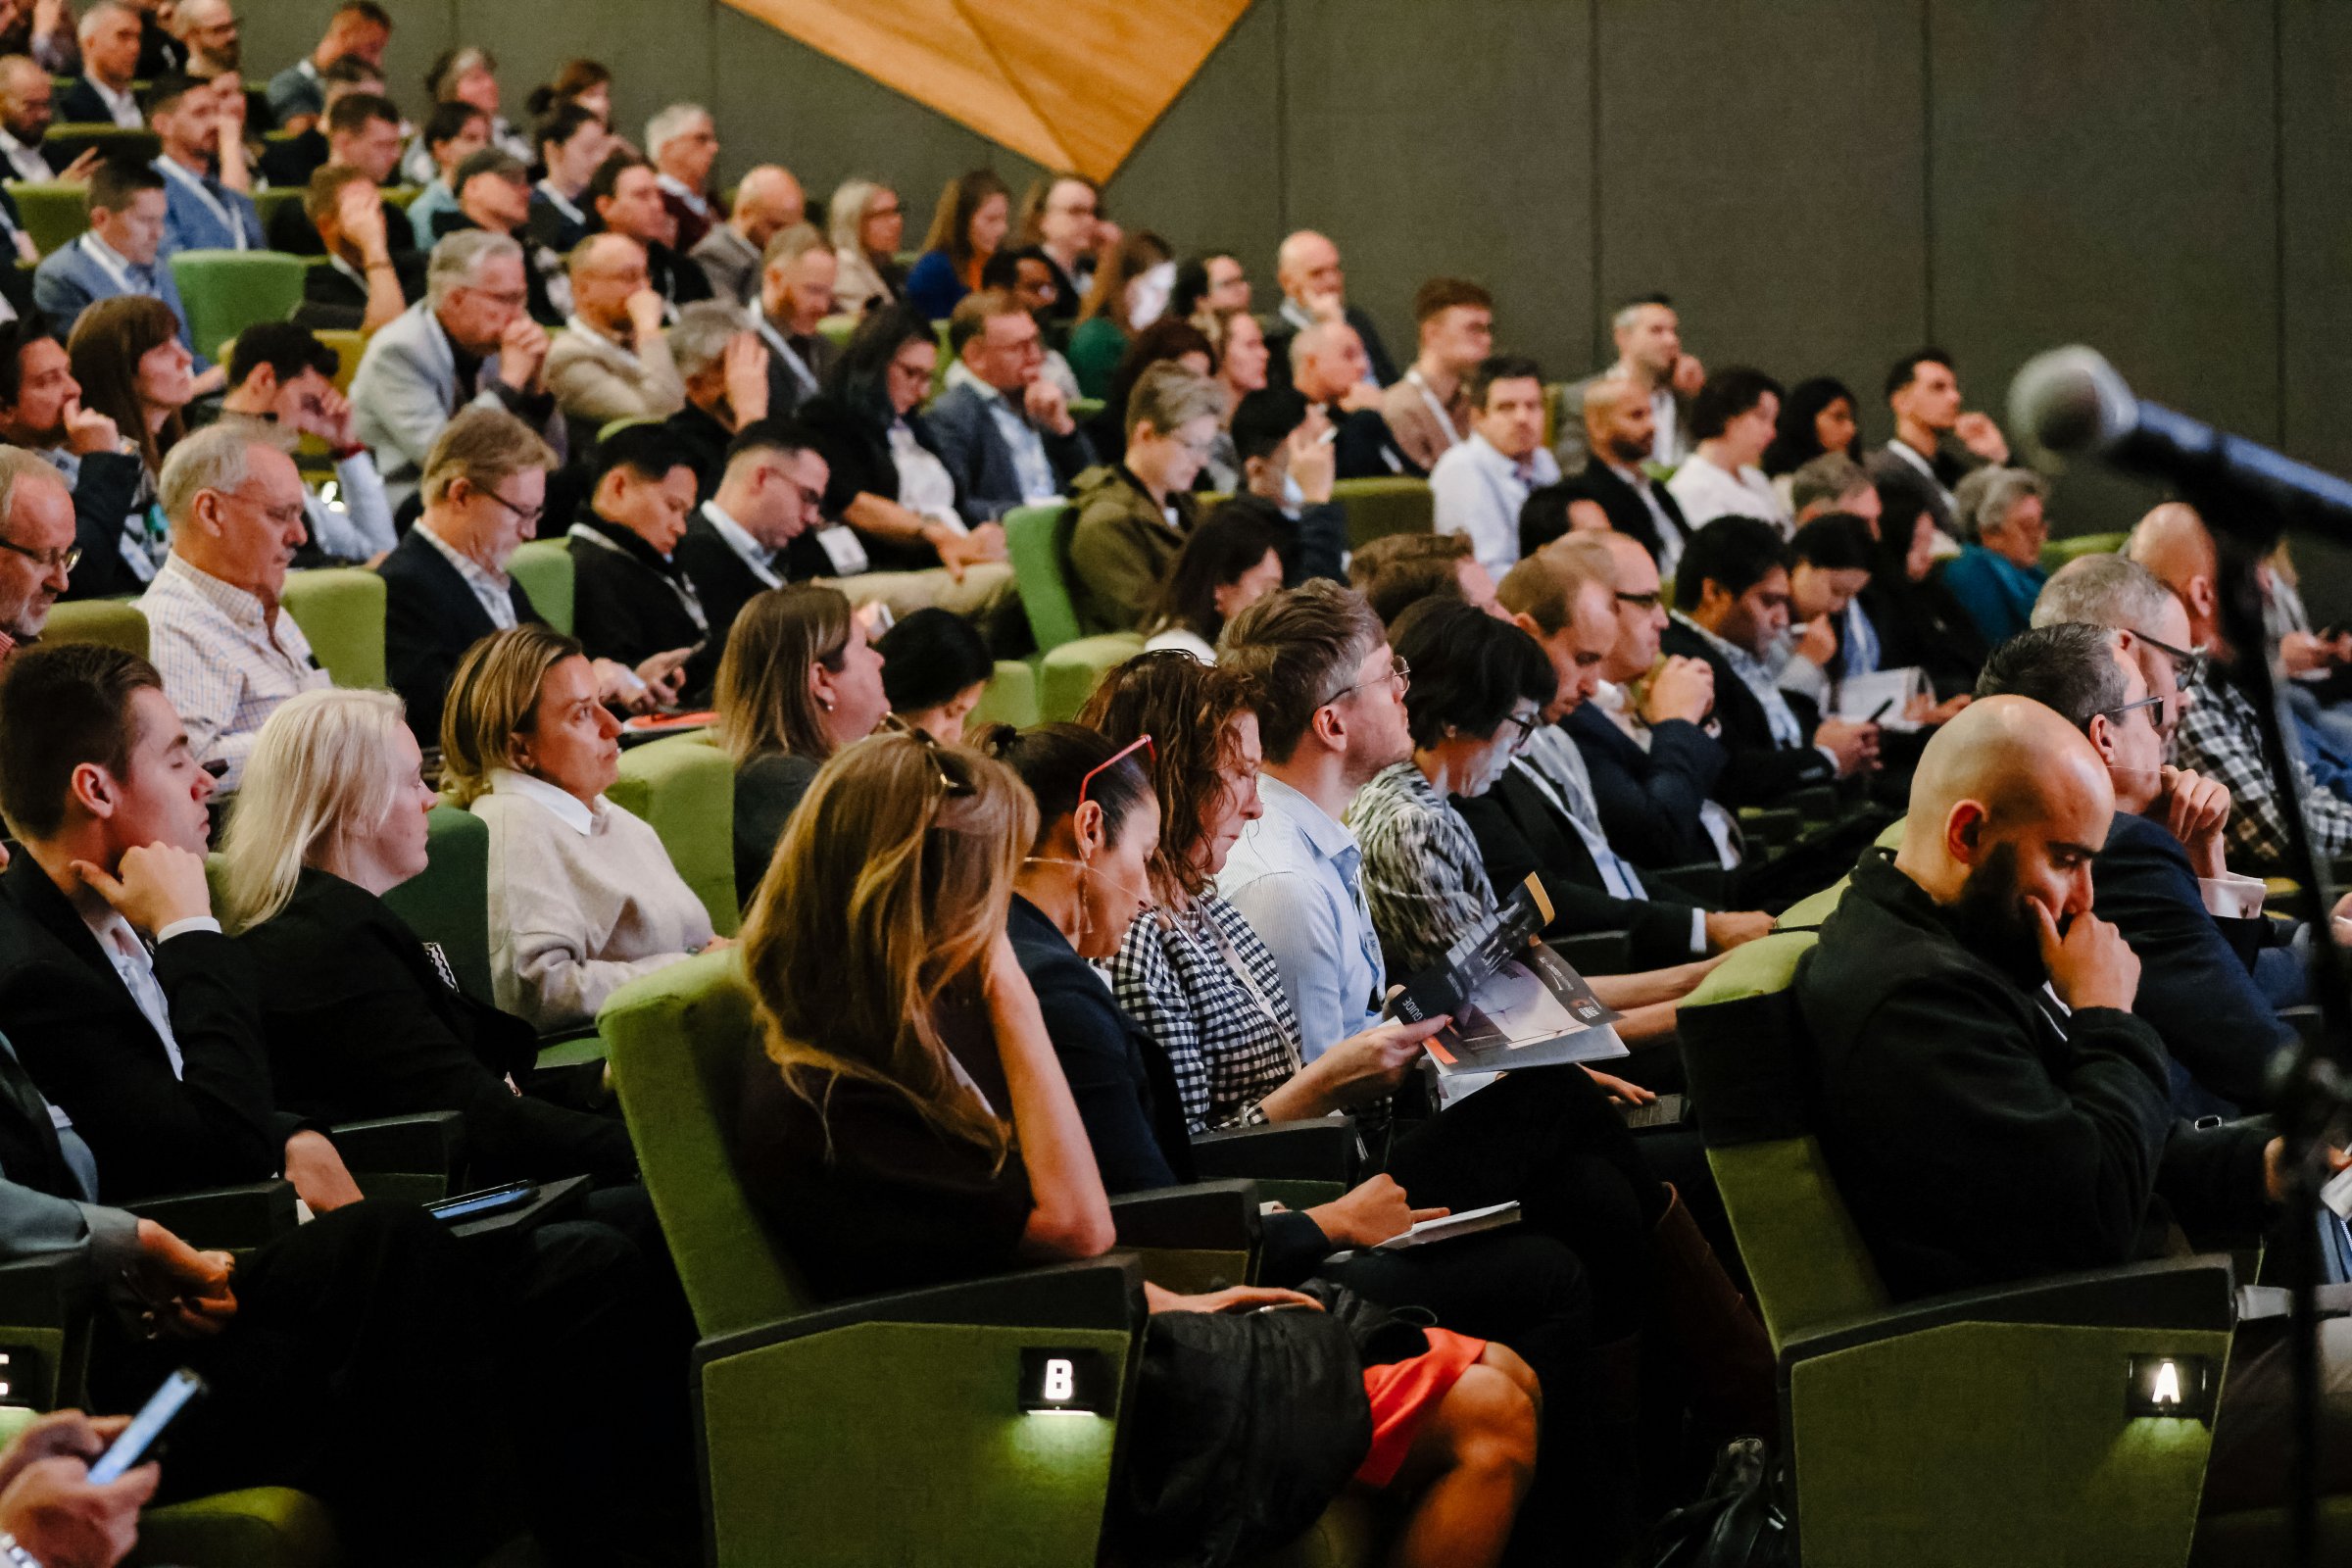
column 783, row 345
column 1453, row 437
column 198, row 189
column 117, row 270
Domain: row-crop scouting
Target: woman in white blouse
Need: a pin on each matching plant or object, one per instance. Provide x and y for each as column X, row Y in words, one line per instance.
column 583, row 897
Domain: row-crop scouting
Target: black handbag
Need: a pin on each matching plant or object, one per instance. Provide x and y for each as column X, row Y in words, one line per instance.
column 1737, row 1522
column 1381, row 1334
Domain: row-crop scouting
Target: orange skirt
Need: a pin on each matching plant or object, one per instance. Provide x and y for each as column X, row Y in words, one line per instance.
column 1404, row 1393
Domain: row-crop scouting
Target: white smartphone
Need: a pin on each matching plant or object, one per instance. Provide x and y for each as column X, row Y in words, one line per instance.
column 154, row 1416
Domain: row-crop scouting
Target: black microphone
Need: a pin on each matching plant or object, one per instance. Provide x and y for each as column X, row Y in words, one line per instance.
column 2072, row 401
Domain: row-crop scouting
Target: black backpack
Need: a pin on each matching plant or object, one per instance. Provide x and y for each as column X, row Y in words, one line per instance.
column 1737, row 1522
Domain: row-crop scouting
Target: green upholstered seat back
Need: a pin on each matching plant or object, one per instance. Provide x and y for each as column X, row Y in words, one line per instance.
column 1011, row 697
column 55, row 213
column 544, row 569
column 224, row 292
column 1376, row 508
column 341, row 610
column 2057, row 553
column 116, row 622
column 1033, row 540
column 1810, row 911
column 1068, row 675
column 677, row 1041
column 685, row 789
column 448, row 902
column 1751, row 1080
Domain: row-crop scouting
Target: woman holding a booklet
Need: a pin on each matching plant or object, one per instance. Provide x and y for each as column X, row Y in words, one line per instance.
column 1200, row 983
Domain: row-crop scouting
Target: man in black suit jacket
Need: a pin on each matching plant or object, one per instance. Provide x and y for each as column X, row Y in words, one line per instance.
column 631, row 601
column 1733, row 590
column 998, row 379
column 1541, row 815
column 40, row 410
column 756, row 531
column 2161, row 876
column 1619, row 428
column 1314, row 288
column 126, row 1004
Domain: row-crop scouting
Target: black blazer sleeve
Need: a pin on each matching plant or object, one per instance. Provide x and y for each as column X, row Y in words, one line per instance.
column 354, row 1034
column 1090, row 1036
column 1649, row 801
column 1658, row 934
column 101, row 502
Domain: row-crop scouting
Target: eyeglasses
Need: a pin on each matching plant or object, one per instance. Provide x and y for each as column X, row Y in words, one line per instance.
column 1398, row 672
column 2113, row 714
column 1525, row 724
column 2188, row 662
column 46, row 560
column 530, row 514
column 1649, row 601
column 1142, row 743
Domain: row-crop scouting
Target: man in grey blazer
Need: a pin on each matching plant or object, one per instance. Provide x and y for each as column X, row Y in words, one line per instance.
column 121, row 253
column 1649, row 352
column 1003, row 430
column 471, row 340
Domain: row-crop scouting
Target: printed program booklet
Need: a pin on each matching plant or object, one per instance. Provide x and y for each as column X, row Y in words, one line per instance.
column 1513, row 1002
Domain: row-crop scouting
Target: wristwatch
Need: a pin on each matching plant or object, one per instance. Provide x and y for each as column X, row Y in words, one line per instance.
column 14, row 1555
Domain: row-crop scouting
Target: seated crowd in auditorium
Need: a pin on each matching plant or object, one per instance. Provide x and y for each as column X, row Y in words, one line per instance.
column 1100, row 745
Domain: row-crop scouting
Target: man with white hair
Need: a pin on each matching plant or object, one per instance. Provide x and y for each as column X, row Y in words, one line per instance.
column 101, row 95
column 683, row 143
column 227, row 652
column 767, row 202
column 37, row 552
column 1314, row 288
column 1648, row 335
column 469, row 340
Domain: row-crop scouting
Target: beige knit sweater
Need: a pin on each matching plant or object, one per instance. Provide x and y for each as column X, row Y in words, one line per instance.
column 581, row 902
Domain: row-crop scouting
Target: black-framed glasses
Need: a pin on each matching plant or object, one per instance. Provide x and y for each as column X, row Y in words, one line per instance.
column 530, row 514
column 46, row 560
column 2189, row 663
column 2113, row 715
column 1398, row 672
column 1525, row 724
column 1648, row 601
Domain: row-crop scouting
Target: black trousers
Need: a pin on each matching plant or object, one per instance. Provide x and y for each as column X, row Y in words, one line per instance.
column 441, row 1397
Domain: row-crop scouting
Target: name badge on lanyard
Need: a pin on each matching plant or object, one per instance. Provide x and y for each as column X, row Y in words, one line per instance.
column 843, row 549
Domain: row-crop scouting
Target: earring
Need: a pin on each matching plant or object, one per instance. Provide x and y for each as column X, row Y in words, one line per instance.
column 825, row 703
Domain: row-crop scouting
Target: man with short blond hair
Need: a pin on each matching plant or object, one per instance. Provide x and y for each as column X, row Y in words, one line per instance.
column 1003, row 430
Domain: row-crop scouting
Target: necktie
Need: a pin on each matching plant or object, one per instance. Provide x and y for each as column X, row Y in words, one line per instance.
column 1349, row 862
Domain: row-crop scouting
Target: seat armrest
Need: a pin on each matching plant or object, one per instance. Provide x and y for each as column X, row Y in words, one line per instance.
column 427, row 1142
column 1214, row 1216
column 2198, row 1292
column 230, row 1218
column 1320, row 1149
column 1595, row 951
column 47, row 1292
column 1103, row 1293
column 1772, row 826
column 1703, row 882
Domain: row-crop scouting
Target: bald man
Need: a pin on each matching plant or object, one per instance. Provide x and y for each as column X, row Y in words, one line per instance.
column 1978, row 1131
column 2198, row 929
column 1619, row 427
column 1314, row 288
column 767, row 201
column 2221, row 735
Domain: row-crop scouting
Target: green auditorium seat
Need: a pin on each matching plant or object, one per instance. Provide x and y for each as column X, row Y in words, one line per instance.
column 1376, row 508
column 684, row 787
column 348, row 345
column 68, row 140
column 2057, row 553
column 1085, row 409
column 544, row 569
column 1011, row 697
column 265, row 203
column 224, row 292
column 1982, row 1427
column 55, row 213
column 397, row 197
column 874, row 1432
column 839, row 329
column 1069, row 666
column 116, row 622
column 341, row 610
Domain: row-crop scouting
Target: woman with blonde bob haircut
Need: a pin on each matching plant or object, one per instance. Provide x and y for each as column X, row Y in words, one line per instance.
column 798, row 681
column 908, row 1124
column 583, row 897
column 361, row 1018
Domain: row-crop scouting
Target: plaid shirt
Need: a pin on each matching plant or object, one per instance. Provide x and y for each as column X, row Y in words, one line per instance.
column 2220, row 737
column 225, row 660
column 1423, row 874
column 1231, row 1041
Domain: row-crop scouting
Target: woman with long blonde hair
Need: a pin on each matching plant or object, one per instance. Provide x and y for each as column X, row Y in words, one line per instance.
column 361, row 1018
column 908, row 1124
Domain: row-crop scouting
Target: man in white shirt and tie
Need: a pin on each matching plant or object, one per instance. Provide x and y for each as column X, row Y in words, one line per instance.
column 796, row 293
column 1479, row 486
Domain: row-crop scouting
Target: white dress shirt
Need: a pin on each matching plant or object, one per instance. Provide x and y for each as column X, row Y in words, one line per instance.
column 1705, row 491
column 1478, row 492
